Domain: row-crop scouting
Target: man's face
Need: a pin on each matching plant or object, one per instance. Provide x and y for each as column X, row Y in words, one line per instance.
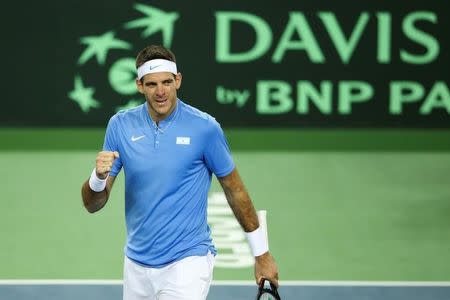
column 160, row 91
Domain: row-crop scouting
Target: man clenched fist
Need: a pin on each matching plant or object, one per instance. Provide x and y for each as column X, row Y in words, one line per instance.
column 95, row 191
column 104, row 162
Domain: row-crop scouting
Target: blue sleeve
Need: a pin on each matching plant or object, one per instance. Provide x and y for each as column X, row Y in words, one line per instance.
column 217, row 153
column 110, row 144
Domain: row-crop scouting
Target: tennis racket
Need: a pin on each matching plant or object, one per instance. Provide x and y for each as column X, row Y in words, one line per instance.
column 266, row 292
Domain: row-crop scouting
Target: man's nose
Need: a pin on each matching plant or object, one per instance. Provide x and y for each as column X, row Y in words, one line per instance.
column 159, row 90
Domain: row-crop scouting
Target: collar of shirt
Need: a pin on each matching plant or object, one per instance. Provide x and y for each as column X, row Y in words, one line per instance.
column 163, row 124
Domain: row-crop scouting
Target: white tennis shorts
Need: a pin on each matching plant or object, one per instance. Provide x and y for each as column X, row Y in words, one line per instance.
column 186, row 279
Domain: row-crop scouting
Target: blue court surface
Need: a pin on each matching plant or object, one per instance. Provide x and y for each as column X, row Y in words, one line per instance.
column 239, row 290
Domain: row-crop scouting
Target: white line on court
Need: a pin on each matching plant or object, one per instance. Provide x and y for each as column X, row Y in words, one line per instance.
column 227, row 282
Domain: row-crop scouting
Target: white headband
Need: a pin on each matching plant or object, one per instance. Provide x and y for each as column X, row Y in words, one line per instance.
column 155, row 66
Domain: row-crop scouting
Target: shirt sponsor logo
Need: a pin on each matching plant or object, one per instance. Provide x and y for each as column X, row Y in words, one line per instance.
column 134, row 138
column 183, row 140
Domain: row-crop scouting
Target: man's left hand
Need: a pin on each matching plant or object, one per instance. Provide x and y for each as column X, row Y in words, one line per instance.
column 266, row 267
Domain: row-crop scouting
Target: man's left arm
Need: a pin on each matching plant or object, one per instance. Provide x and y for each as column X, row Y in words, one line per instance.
column 242, row 206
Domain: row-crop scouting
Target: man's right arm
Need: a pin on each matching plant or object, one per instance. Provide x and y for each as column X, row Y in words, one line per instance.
column 95, row 200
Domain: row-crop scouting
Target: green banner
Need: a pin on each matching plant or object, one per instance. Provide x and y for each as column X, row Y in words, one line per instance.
column 249, row 64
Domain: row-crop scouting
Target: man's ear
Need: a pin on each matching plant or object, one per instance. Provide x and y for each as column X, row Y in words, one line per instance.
column 140, row 86
column 178, row 78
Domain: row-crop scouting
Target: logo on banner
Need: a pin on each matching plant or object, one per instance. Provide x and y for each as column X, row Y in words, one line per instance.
column 303, row 66
column 121, row 74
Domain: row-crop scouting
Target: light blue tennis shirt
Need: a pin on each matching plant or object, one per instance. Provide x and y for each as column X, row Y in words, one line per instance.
column 168, row 172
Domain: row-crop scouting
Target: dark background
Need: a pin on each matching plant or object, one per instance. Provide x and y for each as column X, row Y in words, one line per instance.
column 41, row 45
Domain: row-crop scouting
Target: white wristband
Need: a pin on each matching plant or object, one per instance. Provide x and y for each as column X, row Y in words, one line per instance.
column 258, row 242
column 96, row 184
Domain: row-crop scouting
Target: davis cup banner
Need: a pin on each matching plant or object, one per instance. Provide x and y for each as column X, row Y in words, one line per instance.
column 248, row 63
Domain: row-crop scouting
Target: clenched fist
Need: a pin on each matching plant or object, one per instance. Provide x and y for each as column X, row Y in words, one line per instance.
column 104, row 162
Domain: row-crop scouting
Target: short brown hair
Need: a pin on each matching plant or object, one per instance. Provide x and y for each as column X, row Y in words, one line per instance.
column 154, row 52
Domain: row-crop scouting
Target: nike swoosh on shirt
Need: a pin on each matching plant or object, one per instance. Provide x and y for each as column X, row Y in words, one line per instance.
column 134, row 139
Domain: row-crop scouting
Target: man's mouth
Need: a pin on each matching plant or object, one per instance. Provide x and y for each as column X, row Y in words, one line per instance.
column 161, row 101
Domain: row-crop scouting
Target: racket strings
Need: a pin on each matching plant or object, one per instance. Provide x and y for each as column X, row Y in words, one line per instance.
column 266, row 296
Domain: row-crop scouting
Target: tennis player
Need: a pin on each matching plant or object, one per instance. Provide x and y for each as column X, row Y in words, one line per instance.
column 169, row 151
